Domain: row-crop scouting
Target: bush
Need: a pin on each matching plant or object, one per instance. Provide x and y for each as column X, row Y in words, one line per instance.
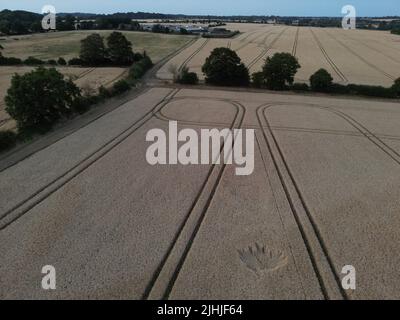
column 136, row 71
column 104, row 93
column 300, row 87
column 32, row 61
column 61, row 61
column 137, row 57
column 139, row 69
column 371, row 91
column 52, row 62
column 8, row 139
column 321, row 81
column 257, row 80
column 75, row 62
column 223, row 67
column 81, row 105
column 11, row 61
column 146, row 62
column 120, row 87
column 38, row 99
column 396, row 87
column 339, row 89
column 187, row 77
column 279, row 70
column 363, row 90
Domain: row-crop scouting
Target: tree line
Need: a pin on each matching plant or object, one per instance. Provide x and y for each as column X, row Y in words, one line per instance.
column 37, row 100
column 224, row 68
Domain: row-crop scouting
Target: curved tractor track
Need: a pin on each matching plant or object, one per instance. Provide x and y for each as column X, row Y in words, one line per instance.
column 308, row 226
column 164, row 278
column 33, row 200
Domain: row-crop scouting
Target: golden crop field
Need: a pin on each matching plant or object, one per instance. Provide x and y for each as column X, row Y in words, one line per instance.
column 351, row 56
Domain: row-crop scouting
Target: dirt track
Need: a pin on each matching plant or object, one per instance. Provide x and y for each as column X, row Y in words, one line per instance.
column 324, row 194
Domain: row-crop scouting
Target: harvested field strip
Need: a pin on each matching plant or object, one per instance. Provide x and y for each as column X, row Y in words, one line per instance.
column 166, row 274
column 361, row 58
column 36, row 198
column 265, row 51
column 328, row 58
column 296, row 40
column 188, row 59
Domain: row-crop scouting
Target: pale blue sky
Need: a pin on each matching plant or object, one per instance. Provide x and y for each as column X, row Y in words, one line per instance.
column 214, row 7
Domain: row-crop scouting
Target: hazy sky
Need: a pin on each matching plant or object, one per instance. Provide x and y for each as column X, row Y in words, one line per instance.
column 214, row 7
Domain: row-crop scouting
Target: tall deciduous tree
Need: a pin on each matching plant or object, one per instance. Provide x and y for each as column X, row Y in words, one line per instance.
column 93, row 51
column 36, row 100
column 119, row 49
column 279, row 70
column 224, row 67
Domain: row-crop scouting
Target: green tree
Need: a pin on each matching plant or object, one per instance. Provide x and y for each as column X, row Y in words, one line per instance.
column 36, row 26
column 321, row 81
column 279, row 70
column 93, row 51
column 396, row 87
column 36, row 100
column 5, row 26
column 119, row 49
column 224, row 67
